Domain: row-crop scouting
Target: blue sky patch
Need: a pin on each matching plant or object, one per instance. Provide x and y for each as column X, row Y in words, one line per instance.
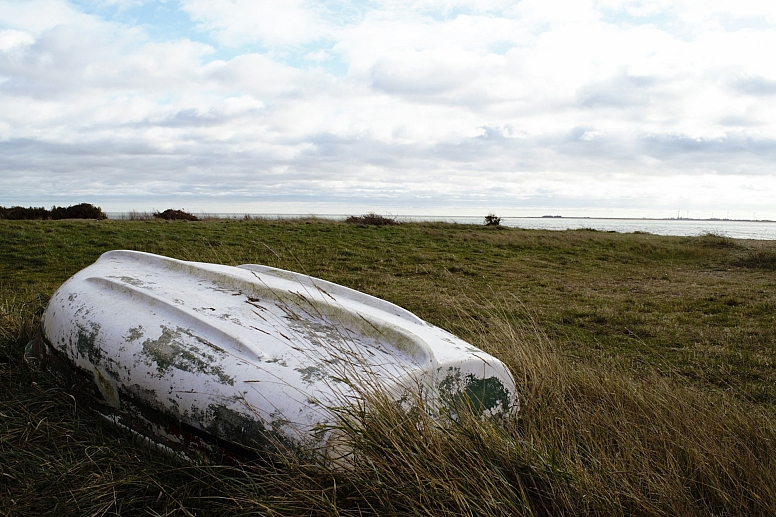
column 162, row 21
column 625, row 18
column 500, row 47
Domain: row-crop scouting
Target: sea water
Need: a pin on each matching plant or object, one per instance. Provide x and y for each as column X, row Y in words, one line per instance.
column 762, row 230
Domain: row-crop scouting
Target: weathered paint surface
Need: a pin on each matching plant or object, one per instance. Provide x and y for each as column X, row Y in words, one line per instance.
column 484, row 395
column 251, row 356
column 171, row 351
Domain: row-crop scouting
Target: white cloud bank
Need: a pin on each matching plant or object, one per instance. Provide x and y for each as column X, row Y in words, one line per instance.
column 440, row 107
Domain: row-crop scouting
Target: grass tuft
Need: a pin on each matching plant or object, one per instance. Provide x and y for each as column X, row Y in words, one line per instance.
column 759, row 259
column 717, row 240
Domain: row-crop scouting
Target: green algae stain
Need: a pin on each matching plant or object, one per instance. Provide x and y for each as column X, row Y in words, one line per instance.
column 134, row 334
column 311, row 374
column 248, row 431
column 171, row 350
column 130, row 280
column 147, row 396
column 479, row 395
column 86, row 342
column 487, row 394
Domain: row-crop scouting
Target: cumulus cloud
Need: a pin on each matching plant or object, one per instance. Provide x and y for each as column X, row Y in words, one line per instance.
column 239, row 22
column 10, row 39
column 429, row 73
column 620, row 91
column 440, row 103
column 757, row 85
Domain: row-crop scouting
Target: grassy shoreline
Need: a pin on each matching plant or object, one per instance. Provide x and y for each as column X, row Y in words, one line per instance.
column 647, row 365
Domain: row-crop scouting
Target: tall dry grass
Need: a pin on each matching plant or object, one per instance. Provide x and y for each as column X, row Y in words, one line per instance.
column 595, row 436
column 591, row 439
column 639, row 444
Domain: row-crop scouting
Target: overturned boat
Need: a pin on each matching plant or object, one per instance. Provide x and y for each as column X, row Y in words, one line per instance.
column 214, row 360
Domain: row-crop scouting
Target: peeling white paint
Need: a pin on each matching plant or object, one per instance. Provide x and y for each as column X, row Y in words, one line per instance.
column 251, row 354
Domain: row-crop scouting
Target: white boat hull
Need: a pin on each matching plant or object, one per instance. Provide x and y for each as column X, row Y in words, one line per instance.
column 238, row 360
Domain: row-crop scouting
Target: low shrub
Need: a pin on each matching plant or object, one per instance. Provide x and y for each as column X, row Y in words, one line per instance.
column 80, row 211
column 17, row 213
column 175, row 215
column 492, row 220
column 372, row 219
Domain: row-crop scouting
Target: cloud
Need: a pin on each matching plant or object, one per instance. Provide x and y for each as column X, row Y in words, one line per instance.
column 11, row 39
column 240, row 22
column 451, row 102
column 741, row 121
column 427, row 73
column 36, row 16
column 707, row 151
column 621, row 91
column 755, row 85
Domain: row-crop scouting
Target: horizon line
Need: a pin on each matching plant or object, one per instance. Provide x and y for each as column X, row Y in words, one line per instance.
column 215, row 215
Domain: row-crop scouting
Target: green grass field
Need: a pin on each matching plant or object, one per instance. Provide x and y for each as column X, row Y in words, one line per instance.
column 646, row 366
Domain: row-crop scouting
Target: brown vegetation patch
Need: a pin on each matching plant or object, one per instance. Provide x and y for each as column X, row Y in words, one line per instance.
column 372, row 219
column 175, row 215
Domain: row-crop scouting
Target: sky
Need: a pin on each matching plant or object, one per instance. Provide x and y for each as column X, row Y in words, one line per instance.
column 619, row 108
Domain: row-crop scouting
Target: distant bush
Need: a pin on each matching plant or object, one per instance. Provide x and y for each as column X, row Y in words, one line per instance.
column 492, row 220
column 175, row 215
column 372, row 219
column 19, row 212
column 81, row 211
